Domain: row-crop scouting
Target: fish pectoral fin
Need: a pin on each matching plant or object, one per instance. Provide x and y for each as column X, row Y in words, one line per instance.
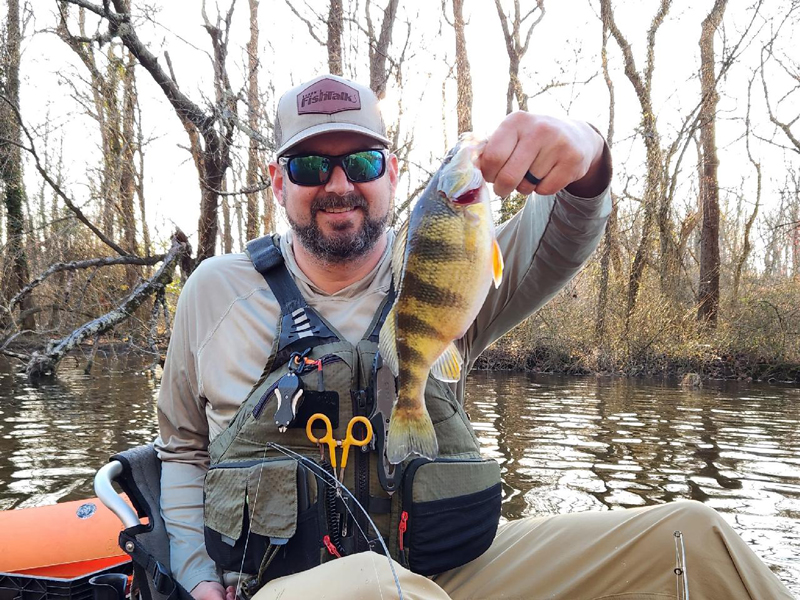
column 447, row 367
column 497, row 264
column 387, row 343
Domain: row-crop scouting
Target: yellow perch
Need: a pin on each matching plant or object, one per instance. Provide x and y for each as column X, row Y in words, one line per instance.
column 445, row 259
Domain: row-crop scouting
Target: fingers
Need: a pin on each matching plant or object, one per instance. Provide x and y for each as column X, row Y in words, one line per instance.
column 555, row 151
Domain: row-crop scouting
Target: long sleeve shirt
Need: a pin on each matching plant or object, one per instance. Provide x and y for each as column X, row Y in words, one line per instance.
column 225, row 325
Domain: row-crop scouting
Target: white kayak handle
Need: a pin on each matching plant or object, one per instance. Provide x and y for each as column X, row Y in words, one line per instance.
column 109, row 496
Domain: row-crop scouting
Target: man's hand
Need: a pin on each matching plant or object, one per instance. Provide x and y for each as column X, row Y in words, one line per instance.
column 212, row 590
column 561, row 153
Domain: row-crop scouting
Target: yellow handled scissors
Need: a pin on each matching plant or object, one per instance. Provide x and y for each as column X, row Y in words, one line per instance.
column 348, row 441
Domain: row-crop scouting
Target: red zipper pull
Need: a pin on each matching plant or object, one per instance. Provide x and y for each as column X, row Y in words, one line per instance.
column 331, row 548
column 402, row 527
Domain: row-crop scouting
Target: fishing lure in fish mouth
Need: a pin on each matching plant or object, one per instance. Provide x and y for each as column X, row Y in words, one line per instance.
column 445, row 258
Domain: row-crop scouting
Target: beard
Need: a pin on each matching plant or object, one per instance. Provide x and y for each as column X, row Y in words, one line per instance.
column 343, row 244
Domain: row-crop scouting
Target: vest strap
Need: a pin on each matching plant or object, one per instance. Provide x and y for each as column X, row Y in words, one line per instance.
column 298, row 320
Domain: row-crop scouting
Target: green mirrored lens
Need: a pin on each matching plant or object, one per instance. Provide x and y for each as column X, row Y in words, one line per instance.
column 363, row 166
column 310, row 170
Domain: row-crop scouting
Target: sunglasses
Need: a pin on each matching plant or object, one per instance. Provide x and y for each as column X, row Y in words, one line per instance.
column 316, row 169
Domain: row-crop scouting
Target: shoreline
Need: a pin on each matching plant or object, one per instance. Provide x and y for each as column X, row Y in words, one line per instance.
column 724, row 366
column 739, row 366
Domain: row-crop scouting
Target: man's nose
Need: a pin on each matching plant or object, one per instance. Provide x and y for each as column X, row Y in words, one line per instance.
column 338, row 184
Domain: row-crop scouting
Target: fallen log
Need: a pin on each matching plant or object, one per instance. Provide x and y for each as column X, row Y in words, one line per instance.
column 43, row 364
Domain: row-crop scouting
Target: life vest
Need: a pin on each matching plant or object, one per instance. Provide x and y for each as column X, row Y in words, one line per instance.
column 272, row 510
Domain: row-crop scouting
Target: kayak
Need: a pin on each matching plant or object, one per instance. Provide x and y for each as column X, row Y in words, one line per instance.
column 54, row 550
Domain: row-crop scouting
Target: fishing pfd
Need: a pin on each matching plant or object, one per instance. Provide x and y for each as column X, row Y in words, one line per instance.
column 272, row 507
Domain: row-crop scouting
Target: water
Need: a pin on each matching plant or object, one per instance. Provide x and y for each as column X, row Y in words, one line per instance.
column 565, row 444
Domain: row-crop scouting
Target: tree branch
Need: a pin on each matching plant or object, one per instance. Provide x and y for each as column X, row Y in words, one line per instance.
column 44, row 363
column 82, row 264
column 56, row 188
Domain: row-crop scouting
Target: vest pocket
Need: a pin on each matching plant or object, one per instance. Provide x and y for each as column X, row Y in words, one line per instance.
column 449, row 514
column 254, row 508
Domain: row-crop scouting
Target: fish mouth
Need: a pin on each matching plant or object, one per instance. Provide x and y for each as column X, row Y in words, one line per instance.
column 472, row 196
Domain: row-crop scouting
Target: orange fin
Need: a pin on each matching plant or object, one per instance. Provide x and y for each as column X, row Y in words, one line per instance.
column 497, row 263
column 447, row 367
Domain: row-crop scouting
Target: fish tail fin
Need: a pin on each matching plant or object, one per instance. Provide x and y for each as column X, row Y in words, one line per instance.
column 411, row 432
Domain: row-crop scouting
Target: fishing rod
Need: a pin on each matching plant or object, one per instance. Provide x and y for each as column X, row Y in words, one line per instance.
column 313, row 467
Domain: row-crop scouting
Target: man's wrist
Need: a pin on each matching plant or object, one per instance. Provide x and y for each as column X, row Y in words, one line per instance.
column 598, row 177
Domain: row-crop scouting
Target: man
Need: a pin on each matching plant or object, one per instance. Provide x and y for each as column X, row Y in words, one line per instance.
column 336, row 182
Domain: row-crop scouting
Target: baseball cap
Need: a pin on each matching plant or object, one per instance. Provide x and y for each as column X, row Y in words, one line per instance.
column 327, row 103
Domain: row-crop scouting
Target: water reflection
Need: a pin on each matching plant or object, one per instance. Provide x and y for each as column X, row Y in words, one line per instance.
column 55, row 436
column 564, row 444
column 576, row 444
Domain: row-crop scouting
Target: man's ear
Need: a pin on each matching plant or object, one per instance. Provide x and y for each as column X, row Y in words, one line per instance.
column 393, row 172
column 276, row 175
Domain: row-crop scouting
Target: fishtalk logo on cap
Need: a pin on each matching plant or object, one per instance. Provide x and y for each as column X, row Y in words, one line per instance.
column 327, row 96
column 326, row 104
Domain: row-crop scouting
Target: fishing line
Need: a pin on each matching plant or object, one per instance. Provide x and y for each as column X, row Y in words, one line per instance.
column 250, row 525
column 313, row 468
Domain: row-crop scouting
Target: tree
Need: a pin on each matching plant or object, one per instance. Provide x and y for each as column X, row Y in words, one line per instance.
column 655, row 185
column 210, row 132
column 463, row 74
column 379, row 47
column 11, row 163
column 254, row 111
column 334, row 24
column 516, row 49
column 708, row 308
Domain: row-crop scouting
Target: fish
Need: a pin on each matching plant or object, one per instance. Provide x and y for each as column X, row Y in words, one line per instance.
column 444, row 261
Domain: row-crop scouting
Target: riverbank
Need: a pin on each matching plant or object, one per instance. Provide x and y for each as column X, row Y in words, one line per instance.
column 508, row 356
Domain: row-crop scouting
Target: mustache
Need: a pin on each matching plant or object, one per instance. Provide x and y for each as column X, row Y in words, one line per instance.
column 335, row 201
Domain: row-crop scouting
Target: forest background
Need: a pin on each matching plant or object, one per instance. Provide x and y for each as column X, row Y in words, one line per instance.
column 135, row 136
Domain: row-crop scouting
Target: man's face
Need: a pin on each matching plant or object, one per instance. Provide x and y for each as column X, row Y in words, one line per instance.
column 340, row 220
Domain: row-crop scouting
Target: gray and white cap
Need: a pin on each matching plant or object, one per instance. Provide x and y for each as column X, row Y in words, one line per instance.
column 327, row 103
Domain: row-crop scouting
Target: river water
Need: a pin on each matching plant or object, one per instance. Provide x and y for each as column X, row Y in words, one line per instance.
column 565, row 444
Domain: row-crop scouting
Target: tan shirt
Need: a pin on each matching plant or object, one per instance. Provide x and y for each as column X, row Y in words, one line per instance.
column 225, row 323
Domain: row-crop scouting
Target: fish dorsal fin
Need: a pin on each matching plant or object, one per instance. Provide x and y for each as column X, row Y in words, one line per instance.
column 399, row 255
column 497, row 264
column 448, row 366
column 387, row 344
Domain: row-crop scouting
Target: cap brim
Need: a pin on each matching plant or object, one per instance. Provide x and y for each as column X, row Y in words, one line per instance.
column 325, row 128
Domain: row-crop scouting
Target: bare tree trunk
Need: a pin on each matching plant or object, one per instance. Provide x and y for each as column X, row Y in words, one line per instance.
column 516, row 49
column 655, row 185
column 140, row 181
column 127, row 186
column 335, row 28
column 708, row 308
column 463, row 75
column 11, row 165
column 253, row 114
column 609, row 239
column 227, row 237
column 379, row 47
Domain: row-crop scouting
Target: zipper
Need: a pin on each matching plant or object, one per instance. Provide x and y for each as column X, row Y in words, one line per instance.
column 402, row 528
column 359, row 399
column 408, row 494
column 331, row 548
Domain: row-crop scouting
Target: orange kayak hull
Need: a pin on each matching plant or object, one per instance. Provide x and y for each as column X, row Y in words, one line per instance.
column 61, row 541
